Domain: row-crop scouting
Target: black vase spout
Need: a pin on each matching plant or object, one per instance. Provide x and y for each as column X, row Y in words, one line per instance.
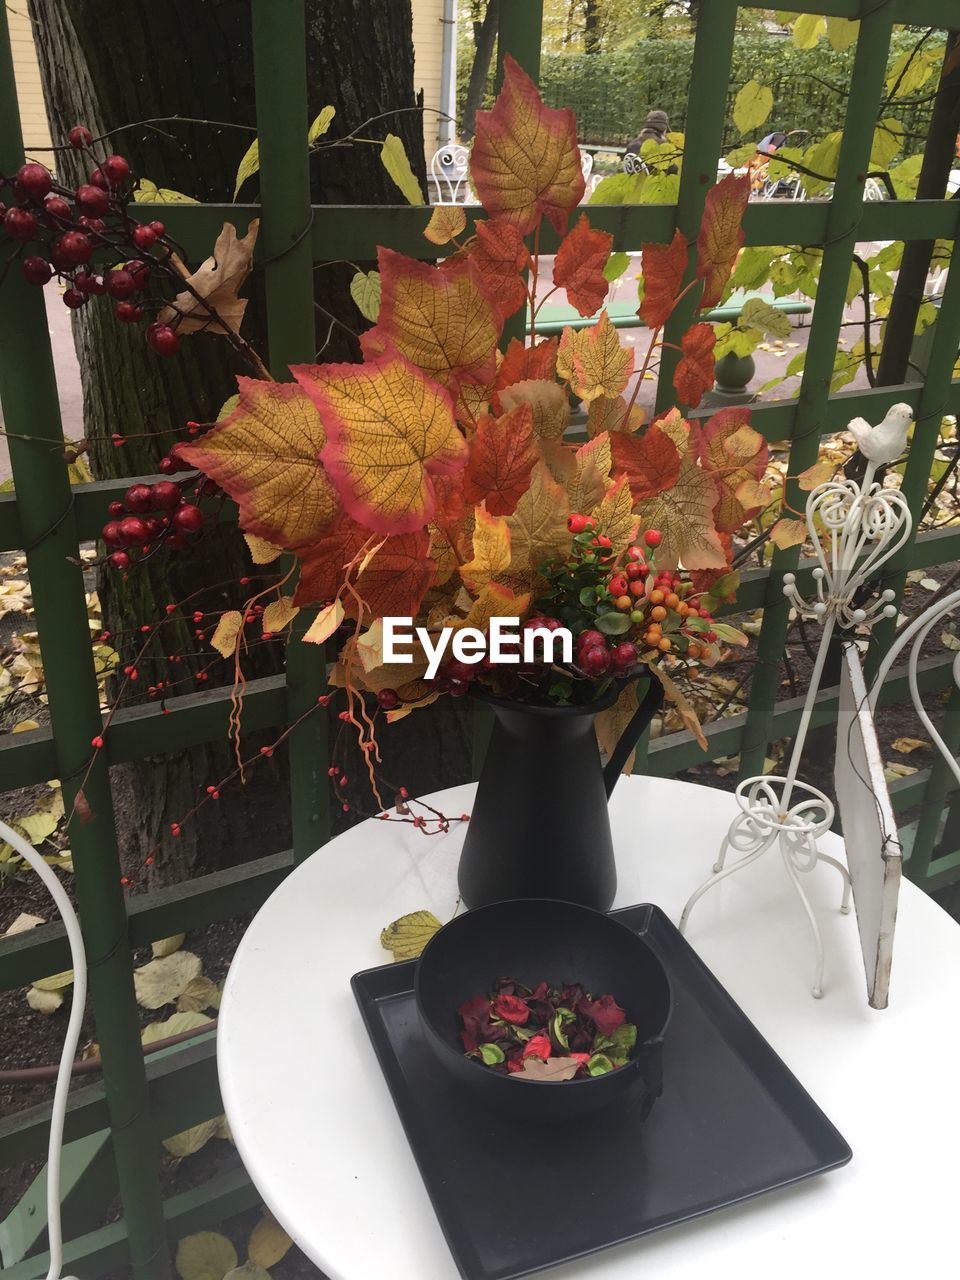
column 539, row 826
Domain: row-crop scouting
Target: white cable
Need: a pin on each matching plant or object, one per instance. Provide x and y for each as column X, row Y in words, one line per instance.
column 78, row 956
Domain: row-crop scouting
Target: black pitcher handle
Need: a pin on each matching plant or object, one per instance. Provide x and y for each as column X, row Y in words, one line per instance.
column 648, row 707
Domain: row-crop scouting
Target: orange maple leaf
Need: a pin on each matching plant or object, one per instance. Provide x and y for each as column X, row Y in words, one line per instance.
column 593, row 361
column 525, row 162
column 389, row 429
column 266, row 456
column 520, row 363
column 733, row 453
column 502, row 454
column 591, row 474
column 579, row 264
column 441, row 319
column 650, row 462
column 694, row 372
column 721, row 235
column 707, row 579
column 663, row 268
column 500, row 255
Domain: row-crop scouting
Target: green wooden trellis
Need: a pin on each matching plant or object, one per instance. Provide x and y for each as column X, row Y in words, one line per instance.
column 141, row 1102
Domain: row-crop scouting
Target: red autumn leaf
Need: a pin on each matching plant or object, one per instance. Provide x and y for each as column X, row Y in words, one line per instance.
column 395, row 581
column 663, row 268
column 733, row 453
column 502, row 455
column 650, row 462
column 500, row 255
column 451, row 507
column 324, row 558
column 525, row 162
column 389, row 430
column 512, row 1009
column 442, row 320
column 694, row 374
column 721, row 235
column 582, row 255
column 523, row 364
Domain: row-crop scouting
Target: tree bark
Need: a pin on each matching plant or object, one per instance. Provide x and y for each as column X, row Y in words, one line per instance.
column 485, row 37
column 938, row 160
column 195, row 60
column 591, row 26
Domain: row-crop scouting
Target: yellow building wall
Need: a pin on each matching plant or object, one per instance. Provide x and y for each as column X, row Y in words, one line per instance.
column 36, row 132
column 427, row 69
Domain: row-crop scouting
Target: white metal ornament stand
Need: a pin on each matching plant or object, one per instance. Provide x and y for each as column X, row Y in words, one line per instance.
column 863, row 525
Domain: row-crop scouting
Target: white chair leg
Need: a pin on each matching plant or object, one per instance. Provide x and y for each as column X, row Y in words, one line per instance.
column 847, row 886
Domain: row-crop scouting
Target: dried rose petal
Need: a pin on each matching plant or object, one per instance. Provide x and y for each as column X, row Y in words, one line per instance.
column 605, row 1014
column 511, row 1009
column 538, row 1046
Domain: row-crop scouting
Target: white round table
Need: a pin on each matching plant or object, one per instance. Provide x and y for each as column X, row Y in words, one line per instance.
column 319, row 1135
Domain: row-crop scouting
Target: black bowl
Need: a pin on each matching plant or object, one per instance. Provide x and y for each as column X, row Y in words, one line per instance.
column 533, row 939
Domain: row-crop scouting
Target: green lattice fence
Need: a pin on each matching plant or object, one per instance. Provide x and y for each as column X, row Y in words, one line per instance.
column 138, row 1102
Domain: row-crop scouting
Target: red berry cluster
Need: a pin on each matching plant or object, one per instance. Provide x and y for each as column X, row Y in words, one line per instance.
column 60, row 231
column 149, row 515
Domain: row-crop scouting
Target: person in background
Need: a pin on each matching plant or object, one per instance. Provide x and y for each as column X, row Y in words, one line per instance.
column 655, row 129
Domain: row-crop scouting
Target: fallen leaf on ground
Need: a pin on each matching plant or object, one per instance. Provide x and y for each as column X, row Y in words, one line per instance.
column 906, row 745
column 160, row 982
column 407, row 936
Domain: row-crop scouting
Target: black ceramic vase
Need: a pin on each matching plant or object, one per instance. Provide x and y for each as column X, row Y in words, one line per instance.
column 539, row 827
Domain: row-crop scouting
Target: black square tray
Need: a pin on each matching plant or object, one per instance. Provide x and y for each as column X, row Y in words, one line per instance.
column 732, row 1123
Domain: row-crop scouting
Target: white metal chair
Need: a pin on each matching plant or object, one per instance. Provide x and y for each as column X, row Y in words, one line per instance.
column 448, row 169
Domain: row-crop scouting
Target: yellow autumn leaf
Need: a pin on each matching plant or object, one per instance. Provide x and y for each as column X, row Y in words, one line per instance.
column 683, row 515
column 788, row 533
column 614, row 515
column 389, row 429
column 611, row 722
column 407, row 936
column 906, row 745
column 279, row 614
column 394, row 159
column 248, row 166
column 491, row 550
column 325, row 623
column 549, row 405
column 494, row 601
column 538, row 527
column 24, row 726
column 593, row 360
column 321, row 124
column 819, row 473
column 265, row 454
column 261, row 551
column 588, row 484
column 216, row 281
column 224, row 638
column 268, row 1243
column 447, row 221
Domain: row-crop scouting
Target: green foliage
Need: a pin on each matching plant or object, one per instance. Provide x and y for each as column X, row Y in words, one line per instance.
column 611, row 93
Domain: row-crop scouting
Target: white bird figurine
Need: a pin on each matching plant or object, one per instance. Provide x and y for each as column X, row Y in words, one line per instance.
column 885, row 442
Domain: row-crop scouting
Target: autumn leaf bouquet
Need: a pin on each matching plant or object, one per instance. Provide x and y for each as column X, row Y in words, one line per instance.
column 435, row 480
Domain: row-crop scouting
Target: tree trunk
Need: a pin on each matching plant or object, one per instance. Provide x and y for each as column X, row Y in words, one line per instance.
column 195, row 60
column 485, row 37
column 591, row 26
column 938, row 160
